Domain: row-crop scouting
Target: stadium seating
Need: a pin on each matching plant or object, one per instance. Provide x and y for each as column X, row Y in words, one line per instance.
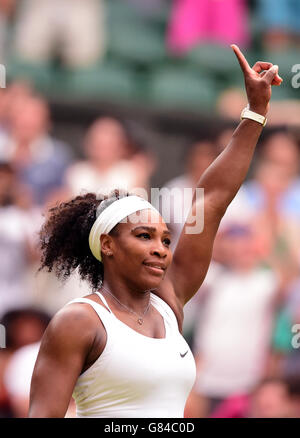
column 137, row 67
column 182, row 88
column 107, row 80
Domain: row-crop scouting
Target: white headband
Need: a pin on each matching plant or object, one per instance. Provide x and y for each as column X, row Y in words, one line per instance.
column 111, row 216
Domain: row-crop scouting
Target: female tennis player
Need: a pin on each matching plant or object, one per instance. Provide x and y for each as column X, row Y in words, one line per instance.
column 120, row 350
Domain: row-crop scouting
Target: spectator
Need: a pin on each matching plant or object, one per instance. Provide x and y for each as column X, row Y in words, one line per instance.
column 199, row 156
column 24, row 330
column 193, row 22
column 293, row 301
column 281, row 24
column 6, row 11
column 40, row 160
column 17, row 379
column 233, row 335
column 293, row 383
column 285, row 358
column 230, row 103
column 271, row 199
column 272, row 398
column 232, row 100
column 281, row 151
column 75, row 26
column 10, row 98
column 110, row 161
column 18, row 223
column 22, row 327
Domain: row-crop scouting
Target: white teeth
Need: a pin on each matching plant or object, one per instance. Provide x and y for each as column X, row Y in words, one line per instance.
column 154, row 266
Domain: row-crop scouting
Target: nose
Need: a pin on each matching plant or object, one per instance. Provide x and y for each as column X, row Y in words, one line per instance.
column 159, row 250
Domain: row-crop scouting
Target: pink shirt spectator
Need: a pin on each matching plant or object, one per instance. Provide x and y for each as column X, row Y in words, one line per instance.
column 214, row 21
column 234, row 407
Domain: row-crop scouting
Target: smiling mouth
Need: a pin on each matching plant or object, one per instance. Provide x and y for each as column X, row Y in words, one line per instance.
column 155, row 268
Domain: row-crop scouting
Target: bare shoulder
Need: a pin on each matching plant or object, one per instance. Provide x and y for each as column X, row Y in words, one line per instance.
column 75, row 324
column 63, row 354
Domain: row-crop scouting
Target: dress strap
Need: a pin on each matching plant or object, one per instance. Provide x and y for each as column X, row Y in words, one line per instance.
column 103, row 300
column 165, row 310
column 102, row 312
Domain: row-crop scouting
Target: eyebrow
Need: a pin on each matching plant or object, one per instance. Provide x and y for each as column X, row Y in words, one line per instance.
column 151, row 229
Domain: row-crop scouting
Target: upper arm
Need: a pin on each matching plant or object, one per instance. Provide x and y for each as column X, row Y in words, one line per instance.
column 63, row 351
column 193, row 252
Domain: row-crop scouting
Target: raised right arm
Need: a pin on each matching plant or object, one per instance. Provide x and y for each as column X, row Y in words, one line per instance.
column 220, row 183
column 64, row 349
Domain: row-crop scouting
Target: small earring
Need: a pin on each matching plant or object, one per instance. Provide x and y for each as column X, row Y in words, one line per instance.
column 109, row 254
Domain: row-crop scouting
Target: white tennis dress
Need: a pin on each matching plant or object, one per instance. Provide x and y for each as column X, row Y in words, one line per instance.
column 136, row 376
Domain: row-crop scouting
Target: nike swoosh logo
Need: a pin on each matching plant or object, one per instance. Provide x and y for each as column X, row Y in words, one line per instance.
column 182, row 355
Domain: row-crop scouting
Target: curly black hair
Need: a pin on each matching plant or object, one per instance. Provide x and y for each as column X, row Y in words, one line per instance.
column 64, row 237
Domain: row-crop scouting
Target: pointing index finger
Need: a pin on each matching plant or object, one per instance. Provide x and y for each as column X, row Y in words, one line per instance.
column 241, row 58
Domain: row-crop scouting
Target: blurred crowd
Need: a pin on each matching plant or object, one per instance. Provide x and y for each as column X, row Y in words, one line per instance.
column 149, row 51
column 77, row 30
column 244, row 324
column 230, row 20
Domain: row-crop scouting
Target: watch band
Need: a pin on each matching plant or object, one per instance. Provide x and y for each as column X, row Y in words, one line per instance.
column 248, row 114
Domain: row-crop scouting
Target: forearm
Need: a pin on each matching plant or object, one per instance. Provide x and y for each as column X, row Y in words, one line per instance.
column 225, row 175
column 223, row 178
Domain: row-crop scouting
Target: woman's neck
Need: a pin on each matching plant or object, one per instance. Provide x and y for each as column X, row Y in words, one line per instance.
column 129, row 296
